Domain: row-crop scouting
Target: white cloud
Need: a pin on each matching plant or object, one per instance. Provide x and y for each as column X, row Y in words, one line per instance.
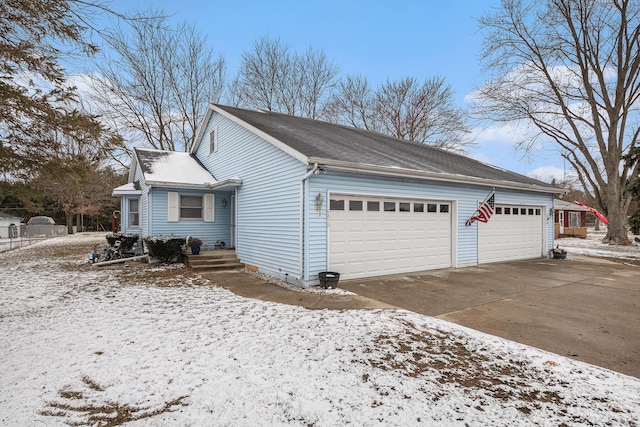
column 547, row 173
column 509, row 135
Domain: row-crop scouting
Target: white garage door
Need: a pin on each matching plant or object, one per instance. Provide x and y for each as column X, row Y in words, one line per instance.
column 513, row 232
column 373, row 236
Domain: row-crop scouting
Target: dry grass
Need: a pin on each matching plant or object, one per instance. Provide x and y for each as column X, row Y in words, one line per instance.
column 82, row 408
column 447, row 360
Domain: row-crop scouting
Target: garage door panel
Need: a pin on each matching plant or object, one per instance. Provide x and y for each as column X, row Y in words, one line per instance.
column 369, row 243
column 510, row 237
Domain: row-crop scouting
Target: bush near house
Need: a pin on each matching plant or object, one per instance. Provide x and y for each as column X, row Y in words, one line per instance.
column 165, row 248
column 126, row 240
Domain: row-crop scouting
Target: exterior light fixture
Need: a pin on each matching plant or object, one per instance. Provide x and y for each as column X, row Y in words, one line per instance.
column 319, row 201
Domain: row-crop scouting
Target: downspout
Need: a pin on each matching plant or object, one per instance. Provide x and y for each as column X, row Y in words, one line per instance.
column 149, row 201
column 313, row 170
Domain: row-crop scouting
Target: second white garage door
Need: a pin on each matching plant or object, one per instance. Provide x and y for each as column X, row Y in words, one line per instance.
column 513, row 232
column 373, row 236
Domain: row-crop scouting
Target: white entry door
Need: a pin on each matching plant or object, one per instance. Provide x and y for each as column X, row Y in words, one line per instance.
column 373, row 236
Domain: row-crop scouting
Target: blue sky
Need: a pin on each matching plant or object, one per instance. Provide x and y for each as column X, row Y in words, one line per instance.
column 377, row 39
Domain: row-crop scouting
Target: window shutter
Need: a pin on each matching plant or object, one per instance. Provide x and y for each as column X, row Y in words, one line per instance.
column 173, row 205
column 209, row 207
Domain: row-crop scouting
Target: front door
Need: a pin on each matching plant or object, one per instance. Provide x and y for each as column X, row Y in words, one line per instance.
column 561, row 221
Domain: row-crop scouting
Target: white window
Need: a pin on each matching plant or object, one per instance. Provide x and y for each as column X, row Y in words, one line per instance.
column 134, row 212
column 574, row 219
column 213, row 141
column 190, row 207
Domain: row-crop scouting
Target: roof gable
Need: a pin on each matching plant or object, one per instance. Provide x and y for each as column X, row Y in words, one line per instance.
column 259, row 132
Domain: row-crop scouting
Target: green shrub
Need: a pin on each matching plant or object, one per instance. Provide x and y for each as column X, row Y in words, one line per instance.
column 126, row 240
column 165, row 248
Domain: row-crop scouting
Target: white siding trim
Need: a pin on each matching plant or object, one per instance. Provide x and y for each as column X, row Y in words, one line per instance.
column 208, row 202
column 173, row 205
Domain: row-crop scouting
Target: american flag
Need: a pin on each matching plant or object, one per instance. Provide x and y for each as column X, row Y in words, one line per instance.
column 485, row 210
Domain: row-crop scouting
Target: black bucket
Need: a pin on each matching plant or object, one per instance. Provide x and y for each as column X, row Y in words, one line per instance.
column 329, row 279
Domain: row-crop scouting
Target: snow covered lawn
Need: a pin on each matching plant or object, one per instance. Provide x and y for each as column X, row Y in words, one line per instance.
column 157, row 346
column 592, row 246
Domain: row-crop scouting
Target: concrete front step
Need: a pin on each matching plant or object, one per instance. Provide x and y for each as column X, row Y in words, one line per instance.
column 214, row 261
column 201, row 261
column 218, row 267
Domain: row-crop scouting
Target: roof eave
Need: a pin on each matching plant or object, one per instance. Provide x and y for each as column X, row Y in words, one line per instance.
column 134, row 164
column 201, row 128
column 343, row 166
column 117, row 192
column 218, row 185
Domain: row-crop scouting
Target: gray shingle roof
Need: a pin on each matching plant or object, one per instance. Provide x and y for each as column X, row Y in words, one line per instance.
column 314, row 138
column 147, row 158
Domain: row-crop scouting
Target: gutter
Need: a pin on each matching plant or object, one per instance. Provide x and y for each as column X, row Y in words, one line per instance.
column 313, row 170
column 236, row 182
column 342, row 166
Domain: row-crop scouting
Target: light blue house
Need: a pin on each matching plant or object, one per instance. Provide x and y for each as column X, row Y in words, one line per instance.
column 296, row 196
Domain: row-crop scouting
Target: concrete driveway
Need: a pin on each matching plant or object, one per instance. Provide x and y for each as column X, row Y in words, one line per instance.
column 581, row 308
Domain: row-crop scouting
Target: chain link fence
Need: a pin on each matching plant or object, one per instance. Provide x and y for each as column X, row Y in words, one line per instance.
column 14, row 237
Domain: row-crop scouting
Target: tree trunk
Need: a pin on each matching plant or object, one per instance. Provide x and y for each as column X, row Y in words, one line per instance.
column 69, row 220
column 617, row 206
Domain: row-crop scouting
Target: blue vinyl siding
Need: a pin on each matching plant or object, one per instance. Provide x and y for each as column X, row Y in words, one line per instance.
column 208, row 232
column 268, row 202
column 465, row 198
column 125, row 227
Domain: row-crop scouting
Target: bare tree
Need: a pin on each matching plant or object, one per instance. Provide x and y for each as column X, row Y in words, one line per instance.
column 158, row 83
column 351, row 103
column 317, row 75
column 572, row 68
column 273, row 77
column 405, row 108
column 419, row 112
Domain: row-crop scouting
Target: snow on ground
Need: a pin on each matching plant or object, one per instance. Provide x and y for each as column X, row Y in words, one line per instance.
column 157, row 346
column 592, row 246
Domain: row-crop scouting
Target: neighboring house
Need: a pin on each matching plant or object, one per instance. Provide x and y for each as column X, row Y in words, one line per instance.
column 296, row 197
column 6, row 221
column 570, row 220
